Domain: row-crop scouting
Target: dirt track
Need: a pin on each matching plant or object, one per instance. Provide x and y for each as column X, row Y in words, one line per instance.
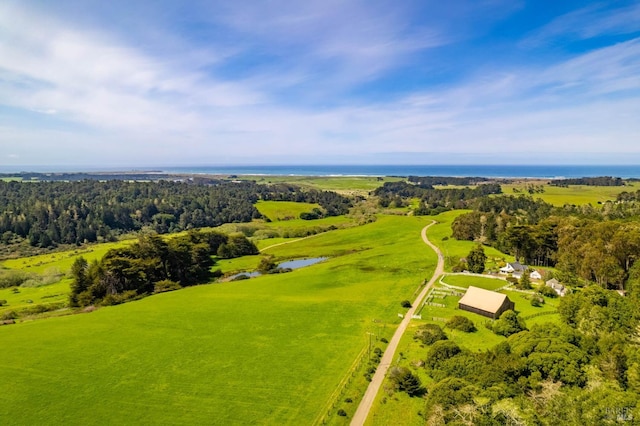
column 376, row 382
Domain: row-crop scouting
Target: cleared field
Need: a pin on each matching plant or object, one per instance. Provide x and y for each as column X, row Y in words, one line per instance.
column 574, row 194
column 270, row 350
column 284, row 210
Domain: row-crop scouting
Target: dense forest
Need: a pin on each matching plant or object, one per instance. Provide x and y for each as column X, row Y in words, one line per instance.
column 589, row 181
column 51, row 213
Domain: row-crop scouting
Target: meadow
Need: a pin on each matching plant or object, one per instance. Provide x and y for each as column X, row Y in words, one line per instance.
column 574, row 194
column 269, row 350
column 284, row 210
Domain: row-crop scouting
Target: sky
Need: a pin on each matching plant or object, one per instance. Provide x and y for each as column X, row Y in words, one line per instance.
column 171, row 83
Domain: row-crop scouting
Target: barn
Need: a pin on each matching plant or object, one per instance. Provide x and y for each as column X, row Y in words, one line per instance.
column 485, row 302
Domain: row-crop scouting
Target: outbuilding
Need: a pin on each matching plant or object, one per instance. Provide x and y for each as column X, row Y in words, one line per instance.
column 485, row 302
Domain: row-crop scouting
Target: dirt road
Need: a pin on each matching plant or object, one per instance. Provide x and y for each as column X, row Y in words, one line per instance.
column 387, row 358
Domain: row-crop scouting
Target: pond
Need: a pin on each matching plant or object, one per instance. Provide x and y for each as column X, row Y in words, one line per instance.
column 289, row 264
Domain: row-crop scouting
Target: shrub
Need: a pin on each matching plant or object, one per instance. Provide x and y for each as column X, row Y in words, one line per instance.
column 405, row 304
column 512, row 280
column 348, row 400
column 459, row 322
column 166, row 285
column 429, row 334
column 3, row 302
column 342, row 413
column 8, row 315
column 537, row 300
column 384, row 340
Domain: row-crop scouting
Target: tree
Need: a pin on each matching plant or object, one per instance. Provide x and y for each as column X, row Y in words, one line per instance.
column 81, row 281
column 459, row 322
column 405, row 381
column 525, row 281
column 508, row 324
column 429, row 334
column 476, row 260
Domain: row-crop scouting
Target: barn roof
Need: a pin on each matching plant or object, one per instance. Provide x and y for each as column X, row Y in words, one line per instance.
column 482, row 299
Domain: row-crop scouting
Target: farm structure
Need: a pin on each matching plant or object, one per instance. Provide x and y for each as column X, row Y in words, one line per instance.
column 485, row 302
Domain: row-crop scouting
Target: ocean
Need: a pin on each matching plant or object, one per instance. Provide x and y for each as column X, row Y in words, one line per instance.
column 497, row 171
column 491, row 171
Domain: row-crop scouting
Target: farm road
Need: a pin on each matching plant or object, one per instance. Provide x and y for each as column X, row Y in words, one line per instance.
column 376, row 382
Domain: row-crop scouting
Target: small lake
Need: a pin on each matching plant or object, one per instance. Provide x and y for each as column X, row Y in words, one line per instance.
column 289, row 264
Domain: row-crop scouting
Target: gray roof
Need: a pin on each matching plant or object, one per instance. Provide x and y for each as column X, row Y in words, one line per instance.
column 486, row 300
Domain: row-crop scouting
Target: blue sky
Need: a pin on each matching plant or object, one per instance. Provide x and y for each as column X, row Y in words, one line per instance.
column 95, row 83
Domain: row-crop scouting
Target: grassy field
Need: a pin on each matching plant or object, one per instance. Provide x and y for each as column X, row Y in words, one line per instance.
column 284, row 210
column 270, row 350
column 574, row 194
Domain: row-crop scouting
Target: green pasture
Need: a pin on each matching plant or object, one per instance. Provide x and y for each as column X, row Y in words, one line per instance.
column 284, row 210
column 62, row 260
column 574, row 194
column 269, row 350
column 27, row 297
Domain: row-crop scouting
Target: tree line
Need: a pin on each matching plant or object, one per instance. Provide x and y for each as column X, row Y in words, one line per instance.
column 589, row 181
column 590, row 247
column 50, row 213
column 432, row 201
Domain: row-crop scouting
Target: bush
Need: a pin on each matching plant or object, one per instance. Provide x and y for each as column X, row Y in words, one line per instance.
column 429, row 334
column 512, row 280
column 348, row 400
column 9, row 315
column 342, row 413
column 3, row 302
column 537, row 300
column 405, row 304
column 166, row 285
column 459, row 322
column 384, row 340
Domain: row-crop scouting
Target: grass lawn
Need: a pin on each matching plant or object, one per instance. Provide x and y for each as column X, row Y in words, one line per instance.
column 268, row 350
column 474, row 280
